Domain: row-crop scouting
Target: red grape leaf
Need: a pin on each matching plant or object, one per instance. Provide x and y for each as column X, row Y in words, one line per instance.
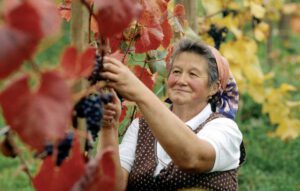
column 117, row 55
column 168, row 57
column 105, row 175
column 144, row 76
column 43, row 23
column 123, row 113
column 168, row 33
column 65, row 10
column 155, row 28
column 151, row 13
column 114, row 16
column 76, row 65
column 49, row 16
column 94, row 26
column 14, row 49
column 71, row 170
column 25, row 18
column 115, row 42
column 150, row 39
column 18, row 37
column 61, row 178
column 43, row 180
column 39, row 116
column 179, row 11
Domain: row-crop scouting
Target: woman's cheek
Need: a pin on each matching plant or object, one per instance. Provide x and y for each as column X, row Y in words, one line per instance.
column 171, row 81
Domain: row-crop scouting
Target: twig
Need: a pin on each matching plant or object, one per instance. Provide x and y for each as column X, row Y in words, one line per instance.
column 18, row 154
column 213, row 14
column 34, row 66
column 130, row 42
column 4, row 130
column 91, row 14
column 26, row 169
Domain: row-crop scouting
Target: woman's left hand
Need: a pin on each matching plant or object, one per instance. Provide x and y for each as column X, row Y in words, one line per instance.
column 112, row 111
column 122, row 79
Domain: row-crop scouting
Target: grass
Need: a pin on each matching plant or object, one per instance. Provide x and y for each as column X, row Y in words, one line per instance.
column 271, row 163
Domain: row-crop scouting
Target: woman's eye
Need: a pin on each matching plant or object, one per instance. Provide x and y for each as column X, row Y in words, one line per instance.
column 193, row 74
column 176, row 71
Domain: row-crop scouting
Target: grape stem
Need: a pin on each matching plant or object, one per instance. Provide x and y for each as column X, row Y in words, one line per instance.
column 130, row 42
column 34, row 66
column 18, row 154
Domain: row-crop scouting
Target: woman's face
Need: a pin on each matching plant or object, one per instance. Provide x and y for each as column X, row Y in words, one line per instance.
column 188, row 80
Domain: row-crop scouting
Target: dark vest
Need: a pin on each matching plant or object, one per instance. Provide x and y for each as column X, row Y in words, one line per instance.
column 171, row 178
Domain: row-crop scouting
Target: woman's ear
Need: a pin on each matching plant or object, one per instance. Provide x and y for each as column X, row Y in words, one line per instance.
column 214, row 88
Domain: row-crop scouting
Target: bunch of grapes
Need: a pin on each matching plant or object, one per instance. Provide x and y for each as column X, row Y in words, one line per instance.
column 64, row 148
column 91, row 108
column 218, row 35
column 226, row 12
column 98, row 67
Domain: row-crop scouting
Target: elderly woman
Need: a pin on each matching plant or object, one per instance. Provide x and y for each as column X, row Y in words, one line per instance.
column 193, row 144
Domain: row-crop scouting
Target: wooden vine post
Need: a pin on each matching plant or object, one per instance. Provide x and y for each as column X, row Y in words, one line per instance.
column 191, row 10
column 79, row 39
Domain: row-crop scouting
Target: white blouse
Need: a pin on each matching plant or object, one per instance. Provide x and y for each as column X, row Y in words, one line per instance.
column 222, row 133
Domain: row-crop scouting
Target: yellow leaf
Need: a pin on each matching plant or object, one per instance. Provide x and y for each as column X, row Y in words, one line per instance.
column 241, row 52
column 269, row 75
column 290, row 8
column 253, row 72
column 261, row 31
column 231, row 22
column 257, row 10
column 286, row 88
column 288, row 128
column 240, row 80
column 257, row 92
column 212, row 6
column 293, row 103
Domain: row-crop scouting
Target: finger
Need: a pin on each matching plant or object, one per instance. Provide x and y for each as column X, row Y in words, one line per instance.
column 111, row 68
column 109, row 76
column 116, row 99
column 107, row 118
column 112, row 84
column 112, row 60
column 111, row 107
column 110, row 112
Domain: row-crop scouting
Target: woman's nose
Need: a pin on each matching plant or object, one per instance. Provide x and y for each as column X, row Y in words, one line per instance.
column 182, row 79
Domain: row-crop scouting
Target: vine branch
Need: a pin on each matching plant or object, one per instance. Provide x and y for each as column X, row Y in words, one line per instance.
column 130, row 42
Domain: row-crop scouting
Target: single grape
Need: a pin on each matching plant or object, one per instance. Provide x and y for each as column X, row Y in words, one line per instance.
column 64, row 148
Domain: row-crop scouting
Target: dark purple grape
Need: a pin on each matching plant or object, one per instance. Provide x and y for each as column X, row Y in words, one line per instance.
column 98, row 67
column 106, row 98
column 64, row 148
column 218, row 35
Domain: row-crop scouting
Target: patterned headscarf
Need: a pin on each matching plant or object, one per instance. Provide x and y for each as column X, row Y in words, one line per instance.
column 228, row 93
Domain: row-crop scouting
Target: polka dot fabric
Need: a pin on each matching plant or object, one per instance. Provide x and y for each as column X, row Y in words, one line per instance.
column 172, row 178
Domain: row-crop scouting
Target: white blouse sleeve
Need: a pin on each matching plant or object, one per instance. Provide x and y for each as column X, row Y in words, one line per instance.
column 224, row 135
column 128, row 145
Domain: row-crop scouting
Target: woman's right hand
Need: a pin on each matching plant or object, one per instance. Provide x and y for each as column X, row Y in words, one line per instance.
column 122, row 79
column 112, row 111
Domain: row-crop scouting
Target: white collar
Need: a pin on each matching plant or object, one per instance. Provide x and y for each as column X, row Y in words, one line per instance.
column 199, row 118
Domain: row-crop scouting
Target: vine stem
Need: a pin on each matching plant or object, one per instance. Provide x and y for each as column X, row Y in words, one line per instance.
column 213, row 14
column 148, row 61
column 34, row 66
column 18, row 154
column 91, row 14
column 26, row 169
column 130, row 42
